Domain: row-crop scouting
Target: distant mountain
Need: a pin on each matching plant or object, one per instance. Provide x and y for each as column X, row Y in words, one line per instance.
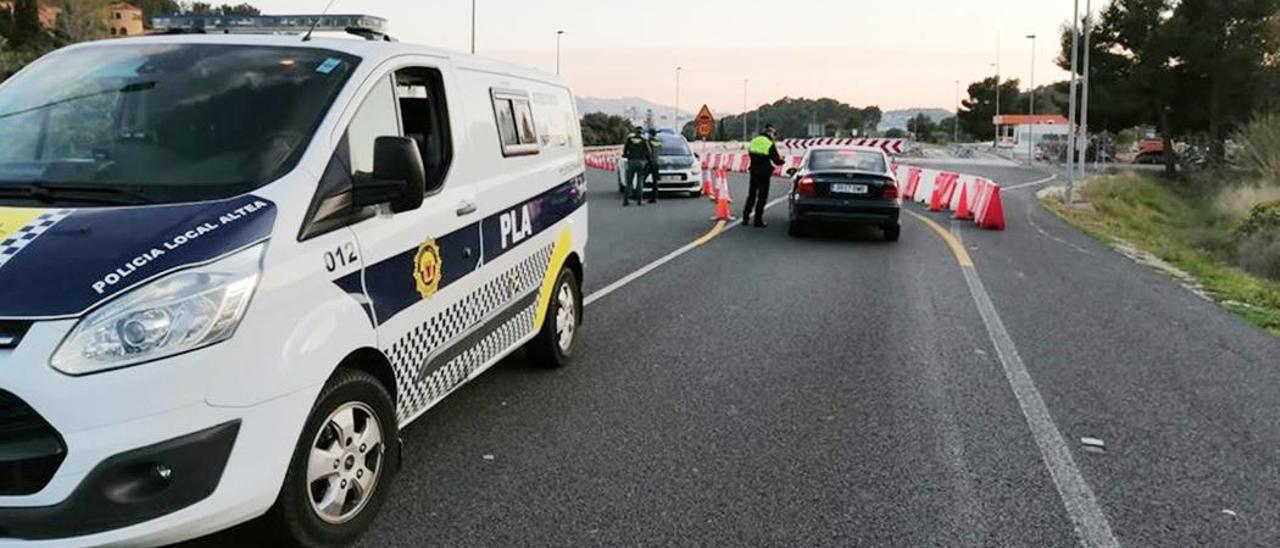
column 632, row 108
column 899, row 118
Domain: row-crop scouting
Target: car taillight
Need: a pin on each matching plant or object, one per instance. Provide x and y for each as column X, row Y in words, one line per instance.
column 806, row 186
column 890, row 192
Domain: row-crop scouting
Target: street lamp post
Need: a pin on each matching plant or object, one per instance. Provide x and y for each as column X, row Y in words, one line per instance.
column 559, row 33
column 676, row 116
column 744, row 109
column 996, row 141
column 1084, row 108
column 956, row 121
column 473, row 27
column 1072, row 136
column 1031, row 133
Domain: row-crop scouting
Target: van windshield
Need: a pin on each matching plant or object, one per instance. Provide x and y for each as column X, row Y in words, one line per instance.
column 168, row 122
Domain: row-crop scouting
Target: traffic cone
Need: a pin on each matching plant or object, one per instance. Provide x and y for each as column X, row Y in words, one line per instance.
column 962, row 208
column 723, row 198
column 706, row 184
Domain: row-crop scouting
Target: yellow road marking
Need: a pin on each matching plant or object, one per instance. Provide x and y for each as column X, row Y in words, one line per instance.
column 957, row 248
column 710, row 235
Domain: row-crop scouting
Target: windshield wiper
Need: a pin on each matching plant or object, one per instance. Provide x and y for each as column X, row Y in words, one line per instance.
column 129, row 88
column 52, row 192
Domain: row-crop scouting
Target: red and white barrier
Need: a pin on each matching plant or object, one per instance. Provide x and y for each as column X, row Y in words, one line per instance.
column 889, row 146
column 968, row 196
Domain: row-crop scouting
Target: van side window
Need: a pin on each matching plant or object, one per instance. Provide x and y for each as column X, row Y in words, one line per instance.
column 514, row 117
column 377, row 117
column 410, row 103
column 424, row 115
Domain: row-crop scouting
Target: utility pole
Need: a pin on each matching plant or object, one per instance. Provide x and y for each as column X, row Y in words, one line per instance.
column 1072, row 136
column 1031, row 138
column 559, row 33
column 676, row 123
column 473, row 27
column 996, row 143
column 997, row 101
column 956, row 121
column 744, row 108
column 1084, row 109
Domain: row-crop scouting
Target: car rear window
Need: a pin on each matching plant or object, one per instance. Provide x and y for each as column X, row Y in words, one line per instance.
column 860, row 160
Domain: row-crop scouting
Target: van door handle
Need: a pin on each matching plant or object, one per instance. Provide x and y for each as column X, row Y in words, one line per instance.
column 466, row 208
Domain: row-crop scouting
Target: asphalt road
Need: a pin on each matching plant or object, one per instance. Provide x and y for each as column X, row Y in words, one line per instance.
column 839, row 390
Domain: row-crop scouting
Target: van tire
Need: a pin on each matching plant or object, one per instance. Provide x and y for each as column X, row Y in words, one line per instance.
column 293, row 518
column 546, row 349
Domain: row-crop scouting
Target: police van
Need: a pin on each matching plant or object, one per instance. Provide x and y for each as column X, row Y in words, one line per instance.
column 233, row 266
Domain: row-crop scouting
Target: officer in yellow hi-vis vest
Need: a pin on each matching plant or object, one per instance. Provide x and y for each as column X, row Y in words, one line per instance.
column 764, row 156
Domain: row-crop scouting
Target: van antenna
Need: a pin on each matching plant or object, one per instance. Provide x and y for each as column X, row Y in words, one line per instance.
column 316, row 23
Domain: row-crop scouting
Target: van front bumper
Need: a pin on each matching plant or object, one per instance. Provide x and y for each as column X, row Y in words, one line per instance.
column 148, row 461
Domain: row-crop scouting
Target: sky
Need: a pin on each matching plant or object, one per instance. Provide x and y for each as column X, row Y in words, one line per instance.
column 890, row 53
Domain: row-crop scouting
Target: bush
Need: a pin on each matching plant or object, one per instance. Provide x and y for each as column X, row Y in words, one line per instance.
column 1263, row 220
column 1260, row 254
column 1259, row 147
column 1258, row 241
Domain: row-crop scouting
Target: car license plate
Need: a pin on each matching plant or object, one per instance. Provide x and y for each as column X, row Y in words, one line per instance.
column 848, row 189
column 671, row 178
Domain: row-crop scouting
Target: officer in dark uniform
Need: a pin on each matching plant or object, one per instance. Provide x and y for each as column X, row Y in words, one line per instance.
column 636, row 151
column 764, row 156
column 656, row 145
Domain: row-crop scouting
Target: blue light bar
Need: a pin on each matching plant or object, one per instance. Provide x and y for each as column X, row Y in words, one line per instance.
column 267, row 24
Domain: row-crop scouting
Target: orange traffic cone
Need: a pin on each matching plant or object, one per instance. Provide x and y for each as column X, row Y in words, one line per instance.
column 723, row 198
column 962, row 208
column 706, row 185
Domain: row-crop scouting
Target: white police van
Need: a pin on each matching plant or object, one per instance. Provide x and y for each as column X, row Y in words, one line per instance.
column 233, row 266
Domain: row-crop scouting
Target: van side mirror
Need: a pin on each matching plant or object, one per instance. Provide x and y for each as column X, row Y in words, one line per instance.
column 398, row 178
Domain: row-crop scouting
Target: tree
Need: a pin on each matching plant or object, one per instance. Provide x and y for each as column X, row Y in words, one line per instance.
column 26, row 31
column 1223, row 51
column 923, row 128
column 871, row 118
column 599, row 129
column 81, row 21
column 1187, row 67
column 238, row 10
column 978, row 111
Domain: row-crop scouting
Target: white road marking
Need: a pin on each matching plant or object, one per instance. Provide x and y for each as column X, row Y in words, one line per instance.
column 1032, row 183
column 625, row 280
column 1082, row 506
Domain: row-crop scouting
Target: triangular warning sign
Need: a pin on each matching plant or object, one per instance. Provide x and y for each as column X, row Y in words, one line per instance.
column 705, row 113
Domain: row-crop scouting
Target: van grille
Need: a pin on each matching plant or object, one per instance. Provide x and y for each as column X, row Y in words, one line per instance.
column 11, row 333
column 30, row 449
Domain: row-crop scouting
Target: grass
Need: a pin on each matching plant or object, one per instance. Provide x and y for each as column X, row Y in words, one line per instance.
column 1179, row 224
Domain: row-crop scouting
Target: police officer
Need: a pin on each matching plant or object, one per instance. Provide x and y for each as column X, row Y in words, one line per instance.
column 636, row 150
column 764, row 156
column 655, row 144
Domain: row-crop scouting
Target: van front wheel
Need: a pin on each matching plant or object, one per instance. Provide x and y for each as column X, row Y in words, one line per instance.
column 342, row 465
column 553, row 347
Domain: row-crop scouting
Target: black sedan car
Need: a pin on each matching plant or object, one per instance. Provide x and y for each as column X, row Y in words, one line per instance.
column 845, row 185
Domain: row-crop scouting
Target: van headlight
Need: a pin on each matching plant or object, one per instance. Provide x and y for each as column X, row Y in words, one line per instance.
column 174, row 314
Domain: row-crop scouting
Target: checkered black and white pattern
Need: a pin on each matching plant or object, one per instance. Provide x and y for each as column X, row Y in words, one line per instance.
column 410, row 353
column 20, row 238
